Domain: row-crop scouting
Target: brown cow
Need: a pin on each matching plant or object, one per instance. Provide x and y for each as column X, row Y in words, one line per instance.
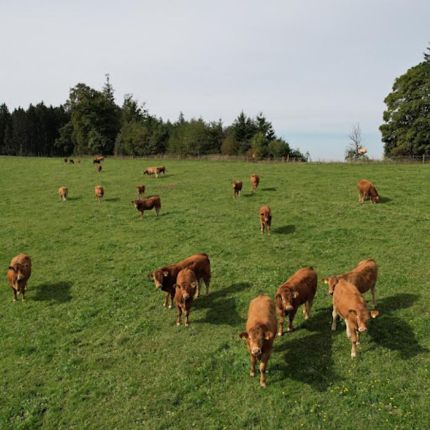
column 66, row 160
column 260, row 333
column 18, row 272
column 71, row 161
column 161, row 169
column 151, row 171
column 255, row 180
column 99, row 168
column 265, row 219
column 298, row 289
column 367, row 190
column 165, row 277
column 237, row 188
column 349, row 304
column 363, row 276
column 152, row 202
column 63, row 192
column 98, row 159
column 99, row 192
column 140, row 190
column 185, row 290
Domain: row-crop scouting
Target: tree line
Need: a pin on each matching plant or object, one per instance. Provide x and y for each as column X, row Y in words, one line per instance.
column 90, row 122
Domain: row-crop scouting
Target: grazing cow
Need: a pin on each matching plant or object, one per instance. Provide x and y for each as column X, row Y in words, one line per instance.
column 255, row 180
column 71, row 161
column 152, row 202
column 265, row 219
column 363, row 276
column 79, row 161
column 161, row 169
column 98, row 159
column 95, row 161
column 66, row 160
column 237, row 188
column 18, row 272
column 151, row 171
column 260, row 333
column 367, row 190
column 140, row 190
column 349, row 304
column 63, row 192
column 100, row 192
column 185, row 290
column 99, row 168
column 165, row 277
column 298, row 289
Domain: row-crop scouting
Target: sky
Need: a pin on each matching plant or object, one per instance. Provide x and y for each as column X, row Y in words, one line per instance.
column 313, row 67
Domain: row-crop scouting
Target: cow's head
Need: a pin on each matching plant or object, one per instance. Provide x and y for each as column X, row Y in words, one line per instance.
column 158, row 277
column 255, row 339
column 331, row 281
column 19, row 270
column 265, row 216
column 359, row 319
column 375, row 197
column 187, row 290
column 287, row 296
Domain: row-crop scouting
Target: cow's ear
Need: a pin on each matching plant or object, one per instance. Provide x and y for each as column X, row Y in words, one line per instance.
column 352, row 312
column 374, row 313
column 12, row 268
column 325, row 280
column 244, row 334
column 194, row 284
column 175, row 286
column 165, row 273
column 268, row 335
column 295, row 294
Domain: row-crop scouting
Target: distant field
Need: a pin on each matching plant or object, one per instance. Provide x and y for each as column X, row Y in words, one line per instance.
column 93, row 348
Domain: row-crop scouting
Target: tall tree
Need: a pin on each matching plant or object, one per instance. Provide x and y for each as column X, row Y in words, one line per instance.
column 5, row 126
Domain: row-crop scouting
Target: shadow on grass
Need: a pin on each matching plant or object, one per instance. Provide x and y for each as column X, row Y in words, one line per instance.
column 74, row 198
column 385, row 200
column 58, row 292
column 221, row 309
column 269, row 189
column 248, row 195
column 112, row 199
column 285, row 229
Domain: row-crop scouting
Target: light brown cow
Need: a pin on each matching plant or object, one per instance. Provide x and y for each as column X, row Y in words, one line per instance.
column 367, row 190
column 185, row 290
column 140, row 190
column 237, row 188
column 99, row 168
column 349, row 304
column 99, row 192
column 152, row 202
column 18, row 273
column 151, row 171
column 255, row 180
column 265, row 219
column 363, row 276
column 260, row 333
column 63, row 193
column 298, row 289
column 165, row 277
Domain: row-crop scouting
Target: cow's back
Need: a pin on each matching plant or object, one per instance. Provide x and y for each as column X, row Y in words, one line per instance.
column 305, row 281
column 262, row 311
column 25, row 262
column 346, row 297
column 364, row 275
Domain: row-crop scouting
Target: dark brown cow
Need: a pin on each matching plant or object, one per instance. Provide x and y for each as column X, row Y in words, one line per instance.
column 237, row 188
column 265, row 219
column 63, row 192
column 185, row 290
column 140, row 190
column 367, row 190
column 98, row 159
column 99, row 192
column 152, row 202
column 18, row 273
column 71, row 161
column 66, row 160
column 255, row 180
column 260, row 333
column 165, row 277
column 349, row 304
column 161, row 169
column 363, row 276
column 298, row 289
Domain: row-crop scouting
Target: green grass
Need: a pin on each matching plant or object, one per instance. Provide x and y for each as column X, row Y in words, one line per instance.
column 93, row 348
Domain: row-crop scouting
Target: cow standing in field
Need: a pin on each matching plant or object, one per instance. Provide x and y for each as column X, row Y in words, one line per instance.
column 265, row 219
column 349, row 304
column 165, row 277
column 237, row 188
column 151, row 171
column 99, row 168
column 161, row 170
column 255, row 180
column 185, row 290
column 98, row 159
column 140, row 190
column 66, row 160
column 152, row 202
column 63, row 193
column 18, row 273
column 297, row 290
column 99, row 192
column 260, row 333
column 363, row 276
column 71, row 161
column 367, row 190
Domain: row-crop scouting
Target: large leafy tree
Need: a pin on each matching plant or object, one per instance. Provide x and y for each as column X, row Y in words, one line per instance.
column 406, row 128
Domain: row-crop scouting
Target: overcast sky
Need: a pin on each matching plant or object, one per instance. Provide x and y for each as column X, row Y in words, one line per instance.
column 313, row 67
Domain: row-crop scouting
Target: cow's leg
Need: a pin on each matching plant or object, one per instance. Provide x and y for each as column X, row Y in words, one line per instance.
column 348, row 330
column 281, row 316
column 14, row 294
column 172, row 297
column 334, row 316
column 197, row 292
column 166, row 299
column 262, row 228
column 23, row 294
column 264, row 359
column 178, row 319
column 187, row 314
column 207, row 280
column 291, row 316
column 268, row 229
column 354, row 343
column 253, row 360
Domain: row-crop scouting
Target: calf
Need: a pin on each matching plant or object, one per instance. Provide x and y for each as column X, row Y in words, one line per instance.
column 63, row 192
column 99, row 192
column 165, row 277
column 99, row 168
column 260, row 333
column 152, row 202
column 255, row 180
column 298, row 289
column 151, row 171
column 18, row 273
column 237, row 188
column 349, row 304
column 265, row 219
column 185, row 290
column 140, row 190
column 363, row 276
column 367, row 190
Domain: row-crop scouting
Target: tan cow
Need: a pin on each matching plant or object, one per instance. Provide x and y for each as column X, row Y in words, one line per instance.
column 151, row 171
column 265, row 219
column 255, row 180
column 99, row 192
column 237, row 188
column 260, row 333
column 99, row 168
column 349, row 304
column 185, row 290
column 363, row 276
column 367, row 190
column 297, row 290
column 18, row 273
column 152, row 202
column 140, row 190
column 63, row 192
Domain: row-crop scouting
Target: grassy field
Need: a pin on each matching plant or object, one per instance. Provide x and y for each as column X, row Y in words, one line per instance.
column 93, row 348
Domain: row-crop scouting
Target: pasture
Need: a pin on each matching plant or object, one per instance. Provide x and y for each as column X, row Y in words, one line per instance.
column 93, row 347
